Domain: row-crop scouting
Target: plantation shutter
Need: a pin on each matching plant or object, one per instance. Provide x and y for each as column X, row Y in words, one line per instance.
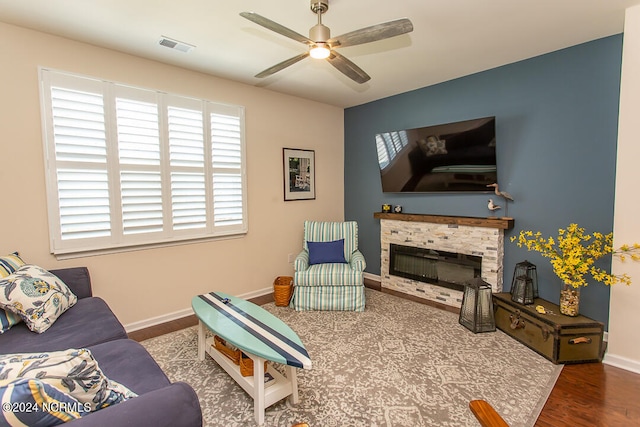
column 138, row 126
column 226, row 149
column 80, row 149
column 188, row 183
column 129, row 166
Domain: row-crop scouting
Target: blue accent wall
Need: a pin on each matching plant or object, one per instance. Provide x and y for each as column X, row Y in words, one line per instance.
column 556, row 131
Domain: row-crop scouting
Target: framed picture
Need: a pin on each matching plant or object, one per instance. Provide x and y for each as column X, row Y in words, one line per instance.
column 299, row 174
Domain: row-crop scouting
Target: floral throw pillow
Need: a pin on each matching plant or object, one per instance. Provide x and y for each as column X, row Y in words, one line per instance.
column 74, row 372
column 36, row 295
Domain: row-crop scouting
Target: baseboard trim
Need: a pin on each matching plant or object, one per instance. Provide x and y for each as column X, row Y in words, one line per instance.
column 371, row 276
column 372, row 281
column 165, row 318
column 622, row 363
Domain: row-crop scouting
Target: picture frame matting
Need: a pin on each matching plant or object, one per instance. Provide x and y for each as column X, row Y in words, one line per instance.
column 299, row 174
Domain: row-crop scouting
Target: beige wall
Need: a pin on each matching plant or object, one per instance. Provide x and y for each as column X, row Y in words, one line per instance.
column 624, row 333
column 143, row 286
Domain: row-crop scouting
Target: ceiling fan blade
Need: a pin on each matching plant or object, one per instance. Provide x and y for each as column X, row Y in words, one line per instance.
column 274, row 26
column 373, row 33
column 281, row 66
column 348, row 68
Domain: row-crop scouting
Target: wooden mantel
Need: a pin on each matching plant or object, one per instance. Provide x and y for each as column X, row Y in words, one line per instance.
column 489, row 222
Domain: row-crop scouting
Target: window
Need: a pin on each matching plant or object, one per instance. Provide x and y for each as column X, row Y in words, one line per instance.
column 129, row 166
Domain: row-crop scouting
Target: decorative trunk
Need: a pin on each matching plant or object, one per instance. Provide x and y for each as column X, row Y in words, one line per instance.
column 561, row 339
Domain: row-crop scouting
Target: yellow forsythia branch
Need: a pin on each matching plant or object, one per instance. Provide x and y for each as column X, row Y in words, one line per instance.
column 573, row 254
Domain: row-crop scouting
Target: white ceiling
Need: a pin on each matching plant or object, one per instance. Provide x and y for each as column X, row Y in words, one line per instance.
column 451, row 38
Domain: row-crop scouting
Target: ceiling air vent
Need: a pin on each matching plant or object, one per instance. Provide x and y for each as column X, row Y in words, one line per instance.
column 175, row 44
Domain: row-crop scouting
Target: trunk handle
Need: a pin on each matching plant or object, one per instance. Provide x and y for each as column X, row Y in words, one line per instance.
column 516, row 321
column 580, row 340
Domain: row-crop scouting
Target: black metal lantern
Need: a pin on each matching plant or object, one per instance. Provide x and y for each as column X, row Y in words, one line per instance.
column 525, row 268
column 476, row 313
column 522, row 290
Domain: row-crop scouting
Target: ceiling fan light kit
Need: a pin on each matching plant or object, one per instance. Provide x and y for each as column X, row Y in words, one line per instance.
column 320, row 51
column 322, row 46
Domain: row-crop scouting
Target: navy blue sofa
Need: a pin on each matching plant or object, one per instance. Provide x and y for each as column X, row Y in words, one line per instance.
column 91, row 324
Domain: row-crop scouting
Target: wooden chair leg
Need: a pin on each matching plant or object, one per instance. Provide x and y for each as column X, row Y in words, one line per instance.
column 486, row 415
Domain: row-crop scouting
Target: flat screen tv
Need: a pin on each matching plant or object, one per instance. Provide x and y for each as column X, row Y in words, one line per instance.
column 452, row 157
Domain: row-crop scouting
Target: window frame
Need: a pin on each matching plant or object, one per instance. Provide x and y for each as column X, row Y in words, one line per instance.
column 119, row 240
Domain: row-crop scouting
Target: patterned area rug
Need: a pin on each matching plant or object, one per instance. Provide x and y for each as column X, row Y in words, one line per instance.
column 397, row 364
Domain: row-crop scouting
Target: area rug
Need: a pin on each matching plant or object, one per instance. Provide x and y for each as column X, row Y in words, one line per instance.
column 399, row 363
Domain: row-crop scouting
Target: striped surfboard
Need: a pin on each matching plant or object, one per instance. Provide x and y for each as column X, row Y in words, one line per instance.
column 251, row 328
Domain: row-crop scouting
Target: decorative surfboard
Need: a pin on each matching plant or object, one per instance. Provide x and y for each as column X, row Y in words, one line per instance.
column 251, row 328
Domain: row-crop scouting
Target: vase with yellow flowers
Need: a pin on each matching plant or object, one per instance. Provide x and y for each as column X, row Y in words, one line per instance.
column 573, row 254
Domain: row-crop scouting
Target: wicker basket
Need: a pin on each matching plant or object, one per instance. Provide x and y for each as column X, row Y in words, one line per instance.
column 282, row 288
column 246, row 365
column 221, row 345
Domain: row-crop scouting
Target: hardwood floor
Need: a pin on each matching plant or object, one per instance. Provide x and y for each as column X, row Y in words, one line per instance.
column 165, row 328
column 593, row 394
column 585, row 395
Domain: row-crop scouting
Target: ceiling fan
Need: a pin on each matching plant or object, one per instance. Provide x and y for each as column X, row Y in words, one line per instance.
column 322, row 45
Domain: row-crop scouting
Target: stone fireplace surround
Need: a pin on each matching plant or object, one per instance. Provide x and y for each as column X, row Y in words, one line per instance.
column 482, row 237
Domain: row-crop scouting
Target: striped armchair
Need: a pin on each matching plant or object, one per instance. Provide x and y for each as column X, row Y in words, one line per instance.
column 330, row 285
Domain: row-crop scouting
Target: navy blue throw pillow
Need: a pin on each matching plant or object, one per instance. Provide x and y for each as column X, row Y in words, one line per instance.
column 326, row 252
